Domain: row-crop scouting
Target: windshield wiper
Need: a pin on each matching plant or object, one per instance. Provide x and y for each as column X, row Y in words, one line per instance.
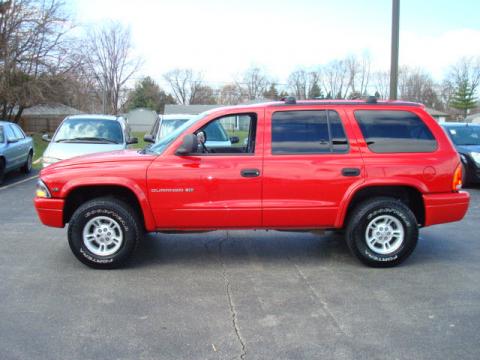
column 87, row 138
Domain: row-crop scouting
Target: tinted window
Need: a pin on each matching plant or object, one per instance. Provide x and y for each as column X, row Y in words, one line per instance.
column 296, row 132
column 395, row 131
column 2, row 136
column 94, row 130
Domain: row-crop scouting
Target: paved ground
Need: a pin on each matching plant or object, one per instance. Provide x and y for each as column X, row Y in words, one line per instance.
column 236, row 295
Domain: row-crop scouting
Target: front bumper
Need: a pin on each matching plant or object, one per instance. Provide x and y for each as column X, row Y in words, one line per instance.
column 50, row 211
column 444, row 208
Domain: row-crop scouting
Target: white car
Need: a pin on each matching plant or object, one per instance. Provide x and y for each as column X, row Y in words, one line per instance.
column 86, row 134
column 166, row 124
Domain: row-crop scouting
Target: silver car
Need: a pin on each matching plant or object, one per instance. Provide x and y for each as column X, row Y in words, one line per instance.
column 86, row 134
column 16, row 149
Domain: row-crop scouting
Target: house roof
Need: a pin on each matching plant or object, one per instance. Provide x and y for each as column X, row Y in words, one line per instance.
column 188, row 109
column 51, row 110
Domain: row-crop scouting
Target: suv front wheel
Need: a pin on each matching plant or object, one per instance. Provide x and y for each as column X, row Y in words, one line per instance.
column 382, row 232
column 103, row 233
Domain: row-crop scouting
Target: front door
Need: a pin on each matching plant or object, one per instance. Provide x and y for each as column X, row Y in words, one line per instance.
column 311, row 160
column 219, row 186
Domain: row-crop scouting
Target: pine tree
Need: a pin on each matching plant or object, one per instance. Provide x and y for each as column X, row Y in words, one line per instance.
column 271, row 93
column 463, row 98
column 315, row 92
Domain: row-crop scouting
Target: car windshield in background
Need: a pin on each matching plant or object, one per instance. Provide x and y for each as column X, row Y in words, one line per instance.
column 90, row 130
column 2, row 137
column 465, row 135
column 162, row 144
column 169, row 125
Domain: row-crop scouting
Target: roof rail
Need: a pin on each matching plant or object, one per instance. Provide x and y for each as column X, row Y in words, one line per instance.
column 371, row 100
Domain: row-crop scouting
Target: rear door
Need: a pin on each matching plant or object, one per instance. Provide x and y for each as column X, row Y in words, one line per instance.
column 311, row 160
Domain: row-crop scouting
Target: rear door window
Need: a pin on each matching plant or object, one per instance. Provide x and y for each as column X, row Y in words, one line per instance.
column 2, row 135
column 389, row 131
column 307, row 132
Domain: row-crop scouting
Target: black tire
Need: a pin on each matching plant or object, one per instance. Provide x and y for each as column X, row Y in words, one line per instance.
column 103, row 210
column 27, row 167
column 380, row 210
column 465, row 181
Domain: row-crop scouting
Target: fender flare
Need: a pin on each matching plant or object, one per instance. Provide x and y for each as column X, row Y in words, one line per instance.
column 355, row 188
column 119, row 182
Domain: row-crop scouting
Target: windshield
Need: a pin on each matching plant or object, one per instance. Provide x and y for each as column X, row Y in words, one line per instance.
column 2, row 137
column 90, row 130
column 169, row 125
column 162, row 144
column 465, row 135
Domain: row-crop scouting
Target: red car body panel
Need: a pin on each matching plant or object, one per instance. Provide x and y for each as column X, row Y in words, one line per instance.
column 207, row 191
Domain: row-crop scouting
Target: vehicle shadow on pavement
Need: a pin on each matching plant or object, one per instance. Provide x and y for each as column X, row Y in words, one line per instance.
column 239, row 247
column 273, row 247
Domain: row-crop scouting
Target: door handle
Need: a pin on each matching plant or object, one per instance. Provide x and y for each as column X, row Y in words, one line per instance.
column 350, row 171
column 250, row 172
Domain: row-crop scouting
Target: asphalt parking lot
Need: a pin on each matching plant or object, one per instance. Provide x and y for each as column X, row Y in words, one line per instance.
column 236, row 295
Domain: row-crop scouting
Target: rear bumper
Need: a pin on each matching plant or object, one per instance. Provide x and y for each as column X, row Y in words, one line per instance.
column 444, row 208
column 50, row 211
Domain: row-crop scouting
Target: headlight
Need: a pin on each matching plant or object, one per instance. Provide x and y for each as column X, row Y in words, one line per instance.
column 49, row 160
column 41, row 190
column 476, row 157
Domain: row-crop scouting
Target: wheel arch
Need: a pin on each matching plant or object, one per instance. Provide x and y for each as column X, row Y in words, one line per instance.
column 77, row 195
column 409, row 194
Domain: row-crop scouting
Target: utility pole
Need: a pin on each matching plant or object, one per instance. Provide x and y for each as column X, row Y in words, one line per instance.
column 394, row 54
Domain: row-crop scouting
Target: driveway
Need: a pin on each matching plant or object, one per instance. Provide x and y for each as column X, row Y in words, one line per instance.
column 236, row 295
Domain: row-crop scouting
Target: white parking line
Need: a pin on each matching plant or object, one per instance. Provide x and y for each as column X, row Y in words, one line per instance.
column 19, row 182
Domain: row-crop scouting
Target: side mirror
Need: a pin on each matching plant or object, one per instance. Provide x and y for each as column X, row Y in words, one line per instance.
column 12, row 141
column 131, row 141
column 189, row 145
column 234, row 139
column 46, row 138
column 148, row 138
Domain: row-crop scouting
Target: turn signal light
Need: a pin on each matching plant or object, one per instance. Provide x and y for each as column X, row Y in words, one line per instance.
column 457, row 179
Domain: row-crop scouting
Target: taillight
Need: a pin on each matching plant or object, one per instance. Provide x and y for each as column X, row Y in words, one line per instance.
column 457, row 178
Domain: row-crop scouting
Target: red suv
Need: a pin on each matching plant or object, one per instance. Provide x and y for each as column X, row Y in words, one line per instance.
column 376, row 170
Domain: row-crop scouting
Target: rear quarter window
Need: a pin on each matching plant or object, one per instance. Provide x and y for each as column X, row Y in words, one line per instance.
column 393, row 131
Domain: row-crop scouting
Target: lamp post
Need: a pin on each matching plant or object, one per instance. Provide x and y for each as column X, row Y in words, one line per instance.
column 394, row 53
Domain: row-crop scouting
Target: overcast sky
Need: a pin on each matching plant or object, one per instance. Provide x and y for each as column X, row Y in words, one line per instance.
column 223, row 38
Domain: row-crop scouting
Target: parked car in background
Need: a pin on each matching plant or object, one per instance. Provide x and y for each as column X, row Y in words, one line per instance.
column 87, row 134
column 216, row 135
column 466, row 138
column 16, row 149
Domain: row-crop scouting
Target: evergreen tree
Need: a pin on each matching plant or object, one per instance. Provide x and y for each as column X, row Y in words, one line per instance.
column 463, row 98
column 271, row 93
column 149, row 95
column 315, row 92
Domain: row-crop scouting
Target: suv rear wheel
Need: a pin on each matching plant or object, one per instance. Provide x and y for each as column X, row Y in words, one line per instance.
column 103, row 233
column 382, row 232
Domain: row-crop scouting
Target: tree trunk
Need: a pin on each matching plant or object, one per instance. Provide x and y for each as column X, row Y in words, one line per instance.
column 19, row 114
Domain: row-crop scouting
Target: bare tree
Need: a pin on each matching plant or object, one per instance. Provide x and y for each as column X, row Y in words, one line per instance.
column 335, row 79
column 230, row 94
column 108, row 59
column 416, row 84
column 254, row 83
column 381, row 83
column 33, row 49
column 358, row 74
column 185, row 84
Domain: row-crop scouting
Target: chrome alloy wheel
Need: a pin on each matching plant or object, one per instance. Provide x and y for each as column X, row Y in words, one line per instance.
column 102, row 236
column 385, row 234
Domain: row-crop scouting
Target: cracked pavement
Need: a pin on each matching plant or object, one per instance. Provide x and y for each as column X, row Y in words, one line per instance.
column 236, row 295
